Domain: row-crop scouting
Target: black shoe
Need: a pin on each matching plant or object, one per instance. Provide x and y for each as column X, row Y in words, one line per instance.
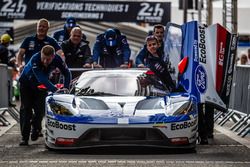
column 12, row 104
column 40, row 134
column 34, row 136
column 24, row 143
column 203, row 141
column 210, row 136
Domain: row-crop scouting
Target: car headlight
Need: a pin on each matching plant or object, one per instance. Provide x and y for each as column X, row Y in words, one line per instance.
column 149, row 104
column 59, row 109
column 92, row 104
column 180, row 108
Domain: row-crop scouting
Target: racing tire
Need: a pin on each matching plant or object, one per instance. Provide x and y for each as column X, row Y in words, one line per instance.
column 48, row 148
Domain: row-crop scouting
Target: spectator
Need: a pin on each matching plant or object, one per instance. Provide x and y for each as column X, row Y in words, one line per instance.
column 248, row 56
column 243, row 59
column 4, row 52
column 6, row 58
column 142, row 59
column 36, row 72
column 156, row 63
column 77, row 52
column 34, row 44
column 64, row 34
column 111, row 50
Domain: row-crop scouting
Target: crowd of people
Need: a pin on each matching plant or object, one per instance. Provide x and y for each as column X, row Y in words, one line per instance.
column 244, row 58
column 40, row 55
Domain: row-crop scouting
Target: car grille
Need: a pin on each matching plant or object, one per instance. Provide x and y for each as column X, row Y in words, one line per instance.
column 122, row 136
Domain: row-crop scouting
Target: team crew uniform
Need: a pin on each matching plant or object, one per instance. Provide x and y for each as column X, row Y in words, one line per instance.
column 142, row 57
column 34, row 74
column 76, row 56
column 111, row 49
column 160, row 68
column 33, row 45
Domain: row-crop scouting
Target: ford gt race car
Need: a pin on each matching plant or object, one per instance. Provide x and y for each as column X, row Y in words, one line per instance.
column 133, row 107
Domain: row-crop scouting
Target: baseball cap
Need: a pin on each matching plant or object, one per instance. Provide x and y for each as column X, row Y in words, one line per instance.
column 70, row 22
column 110, row 37
column 6, row 38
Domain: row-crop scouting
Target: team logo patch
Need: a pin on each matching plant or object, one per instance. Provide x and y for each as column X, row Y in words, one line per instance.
column 124, row 41
column 31, row 45
column 201, row 79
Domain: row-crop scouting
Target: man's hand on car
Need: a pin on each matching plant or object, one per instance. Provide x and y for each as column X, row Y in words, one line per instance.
column 141, row 66
column 97, row 65
column 124, row 66
column 87, row 65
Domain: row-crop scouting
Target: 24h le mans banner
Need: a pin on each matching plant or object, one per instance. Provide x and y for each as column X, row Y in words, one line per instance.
column 109, row 11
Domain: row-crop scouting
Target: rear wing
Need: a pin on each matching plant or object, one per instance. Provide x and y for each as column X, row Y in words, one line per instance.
column 211, row 55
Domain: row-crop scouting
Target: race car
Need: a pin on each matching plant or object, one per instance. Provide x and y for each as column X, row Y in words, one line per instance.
column 120, row 107
column 133, row 107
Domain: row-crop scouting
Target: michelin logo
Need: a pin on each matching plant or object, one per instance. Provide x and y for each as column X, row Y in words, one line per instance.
column 184, row 125
column 58, row 125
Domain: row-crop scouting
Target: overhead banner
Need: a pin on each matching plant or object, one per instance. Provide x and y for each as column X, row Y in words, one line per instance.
column 109, row 11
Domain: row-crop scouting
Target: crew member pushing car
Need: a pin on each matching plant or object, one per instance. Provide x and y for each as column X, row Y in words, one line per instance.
column 156, row 63
column 77, row 51
column 111, row 50
column 35, row 73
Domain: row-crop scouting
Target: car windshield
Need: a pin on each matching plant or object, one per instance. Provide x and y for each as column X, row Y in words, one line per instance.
column 119, row 84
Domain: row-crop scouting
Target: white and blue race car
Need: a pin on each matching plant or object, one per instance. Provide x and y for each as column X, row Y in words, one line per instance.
column 133, row 108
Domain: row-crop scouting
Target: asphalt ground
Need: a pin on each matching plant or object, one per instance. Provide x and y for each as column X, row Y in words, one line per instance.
column 225, row 150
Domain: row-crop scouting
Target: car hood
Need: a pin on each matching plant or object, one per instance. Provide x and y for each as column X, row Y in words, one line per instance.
column 114, row 106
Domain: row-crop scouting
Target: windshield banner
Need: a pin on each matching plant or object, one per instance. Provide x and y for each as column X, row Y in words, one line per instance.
column 109, row 11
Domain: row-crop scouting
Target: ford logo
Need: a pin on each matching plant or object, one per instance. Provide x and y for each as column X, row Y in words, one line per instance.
column 201, row 79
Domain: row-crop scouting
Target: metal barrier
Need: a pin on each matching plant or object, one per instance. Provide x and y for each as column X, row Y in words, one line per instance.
column 239, row 114
column 6, row 95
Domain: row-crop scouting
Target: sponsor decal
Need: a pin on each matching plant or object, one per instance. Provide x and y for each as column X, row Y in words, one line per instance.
column 196, row 56
column 221, row 55
column 202, row 44
column 184, row 125
column 201, row 79
column 150, row 12
column 234, row 42
column 59, row 125
column 160, row 125
column 229, row 66
column 229, row 83
column 13, row 9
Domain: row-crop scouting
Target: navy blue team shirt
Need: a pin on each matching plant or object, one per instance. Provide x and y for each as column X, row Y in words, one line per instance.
column 111, row 57
column 35, row 73
column 33, row 45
